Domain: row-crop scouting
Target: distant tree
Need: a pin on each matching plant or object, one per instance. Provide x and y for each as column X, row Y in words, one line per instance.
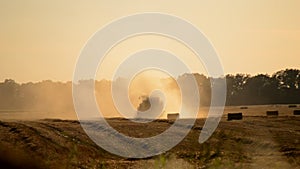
column 235, row 88
column 204, row 86
column 289, row 82
column 9, row 92
column 259, row 89
column 288, row 79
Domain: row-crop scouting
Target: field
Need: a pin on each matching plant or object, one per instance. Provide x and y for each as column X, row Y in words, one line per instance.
column 254, row 142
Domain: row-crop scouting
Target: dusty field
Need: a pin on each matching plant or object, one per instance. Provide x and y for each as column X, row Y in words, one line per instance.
column 254, row 142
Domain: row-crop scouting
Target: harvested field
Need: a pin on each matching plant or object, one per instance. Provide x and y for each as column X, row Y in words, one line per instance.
column 254, row 142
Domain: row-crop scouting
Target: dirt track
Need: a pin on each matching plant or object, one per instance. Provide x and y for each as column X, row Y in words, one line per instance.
column 254, row 142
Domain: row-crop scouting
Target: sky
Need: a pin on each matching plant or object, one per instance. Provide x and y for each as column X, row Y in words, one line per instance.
column 42, row 40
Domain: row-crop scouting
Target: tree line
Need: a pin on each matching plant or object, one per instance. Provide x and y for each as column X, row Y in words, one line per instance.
column 282, row 87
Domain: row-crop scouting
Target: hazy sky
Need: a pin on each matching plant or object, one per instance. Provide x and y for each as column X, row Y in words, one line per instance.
column 42, row 39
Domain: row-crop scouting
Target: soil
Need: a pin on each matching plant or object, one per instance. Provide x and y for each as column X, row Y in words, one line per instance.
column 254, row 142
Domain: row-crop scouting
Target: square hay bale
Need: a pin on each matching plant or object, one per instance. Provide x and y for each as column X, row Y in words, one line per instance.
column 173, row 116
column 297, row 112
column 272, row 113
column 234, row 116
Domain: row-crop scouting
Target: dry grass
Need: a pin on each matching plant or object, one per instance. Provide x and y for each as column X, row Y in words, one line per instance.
column 254, row 142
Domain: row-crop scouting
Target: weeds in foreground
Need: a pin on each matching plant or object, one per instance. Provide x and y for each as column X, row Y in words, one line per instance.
column 160, row 162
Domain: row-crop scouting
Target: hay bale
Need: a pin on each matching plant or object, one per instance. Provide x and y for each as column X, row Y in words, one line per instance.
column 173, row 116
column 292, row 106
column 272, row 113
column 296, row 112
column 234, row 116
